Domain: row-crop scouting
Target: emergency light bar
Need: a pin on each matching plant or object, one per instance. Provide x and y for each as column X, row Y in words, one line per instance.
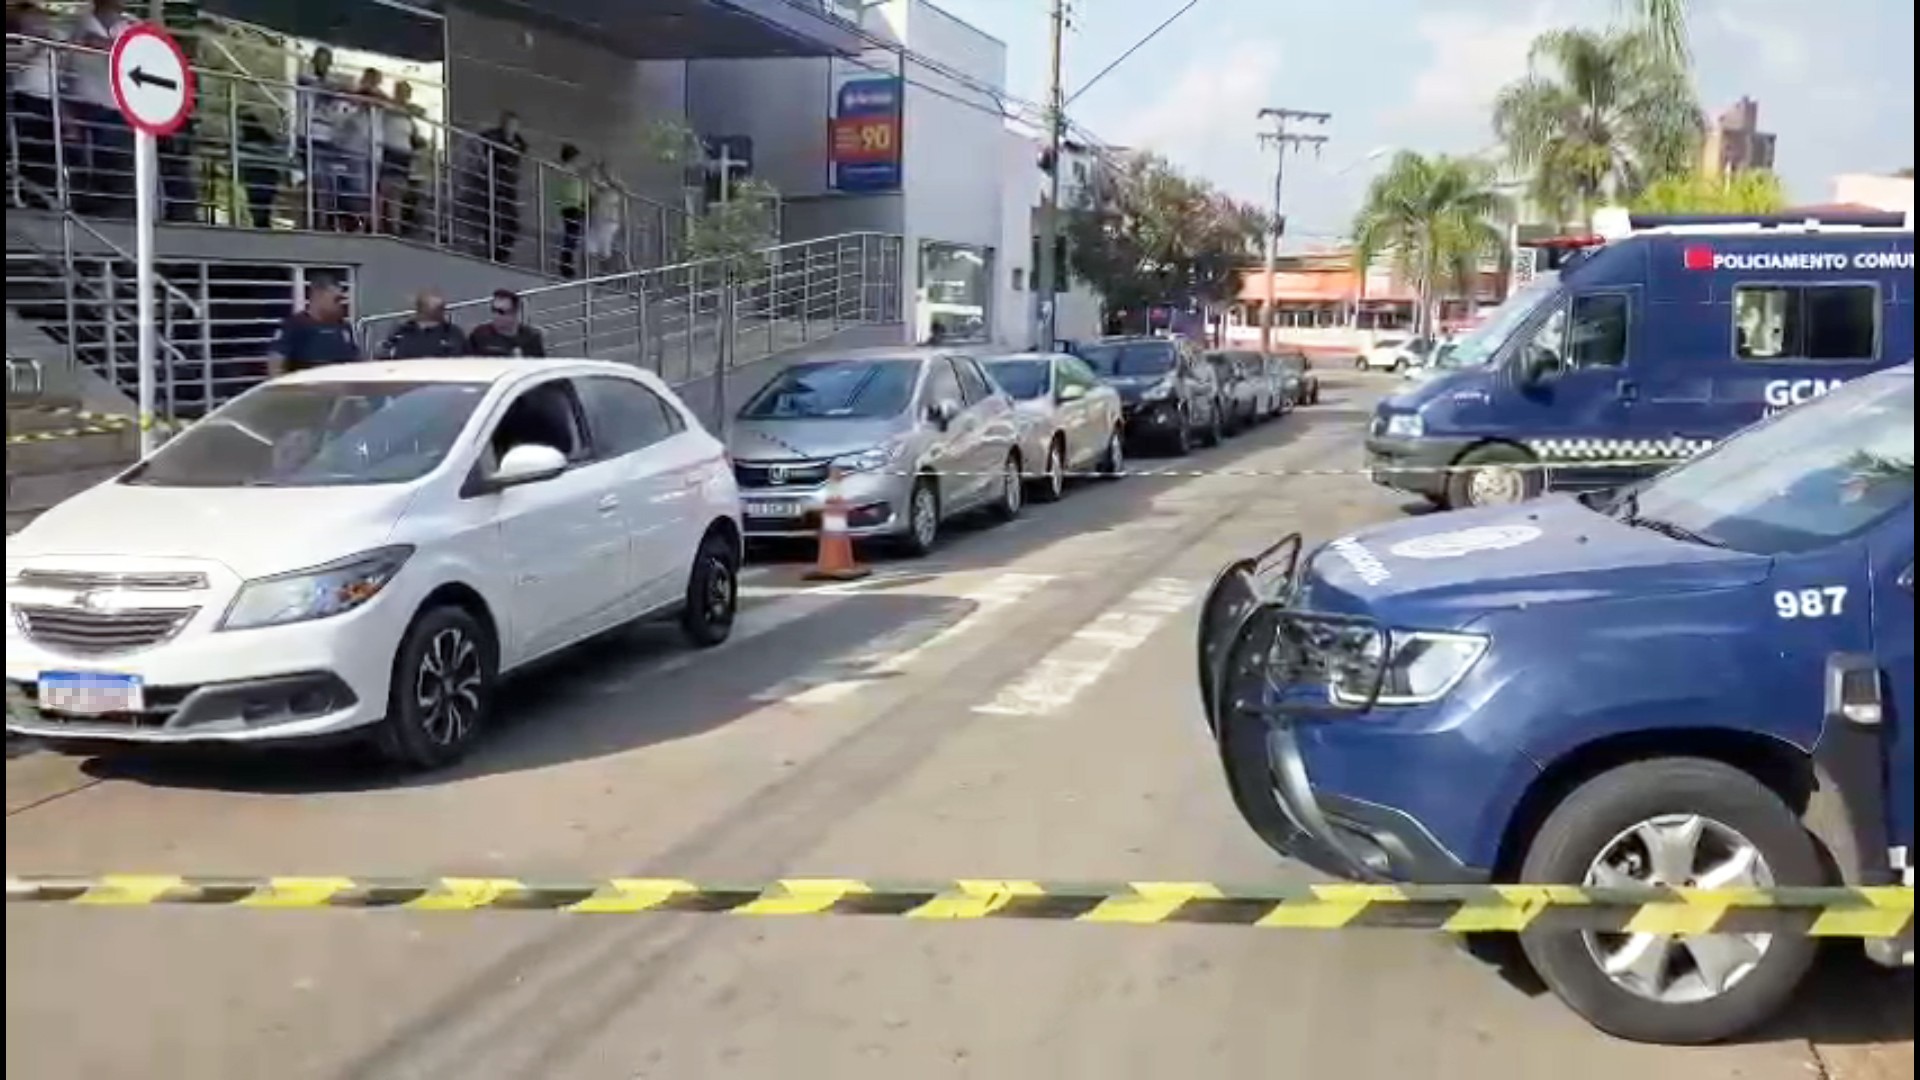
column 1615, row 223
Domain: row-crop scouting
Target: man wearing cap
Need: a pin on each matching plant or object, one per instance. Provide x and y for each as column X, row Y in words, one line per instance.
column 505, row 334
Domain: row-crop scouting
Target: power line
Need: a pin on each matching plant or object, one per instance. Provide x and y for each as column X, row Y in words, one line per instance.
column 1134, row 48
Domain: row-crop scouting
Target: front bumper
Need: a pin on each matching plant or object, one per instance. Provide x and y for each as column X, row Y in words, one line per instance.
column 1152, row 419
column 1413, row 465
column 877, row 504
column 1319, row 790
column 313, row 680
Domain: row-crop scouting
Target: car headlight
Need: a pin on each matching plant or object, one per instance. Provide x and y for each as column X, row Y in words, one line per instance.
column 865, row 460
column 1406, row 426
column 318, row 593
column 1420, row 668
column 1159, row 391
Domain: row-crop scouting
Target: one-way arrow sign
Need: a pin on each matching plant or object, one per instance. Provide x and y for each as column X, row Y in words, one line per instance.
column 152, row 83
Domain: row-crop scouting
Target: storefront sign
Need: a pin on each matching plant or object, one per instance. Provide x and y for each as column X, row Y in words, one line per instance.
column 864, row 135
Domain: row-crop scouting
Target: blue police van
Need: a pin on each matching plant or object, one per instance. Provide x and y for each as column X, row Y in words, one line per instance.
column 1705, row 678
column 1662, row 338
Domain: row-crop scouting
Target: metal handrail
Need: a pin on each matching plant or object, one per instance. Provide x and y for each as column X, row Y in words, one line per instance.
column 453, row 207
column 68, row 217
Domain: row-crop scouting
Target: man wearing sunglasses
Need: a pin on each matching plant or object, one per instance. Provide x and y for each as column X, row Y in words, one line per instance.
column 505, row 334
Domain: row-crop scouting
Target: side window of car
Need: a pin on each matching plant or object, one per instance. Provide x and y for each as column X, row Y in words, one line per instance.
column 546, row 415
column 973, row 381
column 1072, row 371
column 1597, row 336
column 942, row 383
column 624, row 415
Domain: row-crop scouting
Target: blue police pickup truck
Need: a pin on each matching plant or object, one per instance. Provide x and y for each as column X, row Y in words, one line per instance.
column 1662, row 338
column 1701, row 679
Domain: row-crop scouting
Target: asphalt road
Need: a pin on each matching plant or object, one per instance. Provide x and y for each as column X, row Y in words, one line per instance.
column 1019, row 706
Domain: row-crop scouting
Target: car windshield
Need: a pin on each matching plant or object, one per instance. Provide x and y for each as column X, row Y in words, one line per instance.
column 1478, row 345
column 1023, row 380
column 1809, row 477
column 329, row 434
column 1131, row 360
column 836, row 390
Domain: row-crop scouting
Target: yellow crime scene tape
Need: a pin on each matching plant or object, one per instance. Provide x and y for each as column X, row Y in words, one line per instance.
column 90, row 423
column 1817, row 912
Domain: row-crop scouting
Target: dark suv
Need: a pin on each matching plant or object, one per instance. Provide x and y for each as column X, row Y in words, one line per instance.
column 1169, row 394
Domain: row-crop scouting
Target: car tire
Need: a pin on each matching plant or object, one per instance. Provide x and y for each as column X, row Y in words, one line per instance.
column 713, row 593
column 923, row 519
column 1359, row 363
column 1497, row 474
column 1013, row 490
column 1113, row 463
column 1216, row 429
column 1611, row 808
column 440, row 695
column 1052, row 483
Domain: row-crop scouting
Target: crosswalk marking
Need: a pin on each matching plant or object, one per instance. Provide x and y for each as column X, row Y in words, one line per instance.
column 897, row 650
column 1079, row 662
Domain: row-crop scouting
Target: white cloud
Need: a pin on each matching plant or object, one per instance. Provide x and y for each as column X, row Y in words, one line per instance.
column 1204, row 119
column 1471, row 57
column 1781, row 50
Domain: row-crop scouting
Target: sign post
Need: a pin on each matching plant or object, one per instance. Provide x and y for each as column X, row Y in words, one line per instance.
column 153, row 86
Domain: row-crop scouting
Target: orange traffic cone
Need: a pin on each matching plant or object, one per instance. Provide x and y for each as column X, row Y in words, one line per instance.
column 836, row 561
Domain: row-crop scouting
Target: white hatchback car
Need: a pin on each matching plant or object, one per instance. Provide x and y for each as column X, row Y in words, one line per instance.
column 363, row 550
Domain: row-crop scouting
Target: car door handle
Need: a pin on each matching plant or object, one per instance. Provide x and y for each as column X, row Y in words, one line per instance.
column 609, row 503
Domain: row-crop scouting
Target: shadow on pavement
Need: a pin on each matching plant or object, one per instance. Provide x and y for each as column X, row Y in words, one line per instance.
column 1849, row 1001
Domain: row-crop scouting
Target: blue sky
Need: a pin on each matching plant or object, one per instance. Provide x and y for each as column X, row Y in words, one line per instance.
column 1834, row 79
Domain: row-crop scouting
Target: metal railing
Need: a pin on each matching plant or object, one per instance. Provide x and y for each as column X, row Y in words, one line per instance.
column 262, row 154
column 688, row 321
column 88, row 302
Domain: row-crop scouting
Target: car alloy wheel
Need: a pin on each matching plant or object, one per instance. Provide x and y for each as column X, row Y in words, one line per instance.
column 1687, row 851
column 447, row 687
column 1055, row 482
column 1496, row 485
column 1012, row 489
column 1115, row 464
column 923, row 518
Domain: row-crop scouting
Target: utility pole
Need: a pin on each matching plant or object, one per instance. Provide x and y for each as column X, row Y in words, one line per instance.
column 1282, row 140
column 1048, row 286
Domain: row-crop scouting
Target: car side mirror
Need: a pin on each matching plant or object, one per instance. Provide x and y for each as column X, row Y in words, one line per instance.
column 1539, row 366
column 528, row 463
column 1072, row 392
column 943, row 413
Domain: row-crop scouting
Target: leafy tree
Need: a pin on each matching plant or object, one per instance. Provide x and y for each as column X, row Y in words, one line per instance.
column 1665, row 21
column 1438, row 218
column 1155, row 235
column 1749, row 191
column 1599, row 116
column 737, row 228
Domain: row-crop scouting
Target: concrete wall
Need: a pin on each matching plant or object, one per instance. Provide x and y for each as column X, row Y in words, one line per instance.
column 386, row 273
column 1893, row 193
column 566, row 89
column 954, row 150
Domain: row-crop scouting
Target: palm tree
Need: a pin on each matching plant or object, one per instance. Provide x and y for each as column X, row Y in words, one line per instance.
column 1665, row 21
column 1439, row 217
column 1598, row 116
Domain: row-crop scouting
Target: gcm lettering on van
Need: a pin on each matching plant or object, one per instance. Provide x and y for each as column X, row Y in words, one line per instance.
column 1784, row 394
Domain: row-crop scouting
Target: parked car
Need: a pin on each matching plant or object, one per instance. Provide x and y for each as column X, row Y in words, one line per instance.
column 1395, row 353
column 1070, row 420
column 1168, row 393
column 1299, row 384
column 1243, row 388
column 364, row 550
column 919, row 436
column 1269, row 382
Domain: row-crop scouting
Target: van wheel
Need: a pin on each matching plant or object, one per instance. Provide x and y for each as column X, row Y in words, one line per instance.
column 441, row 692
column 713, row 593
column 1497, row 474
column 1676, row 822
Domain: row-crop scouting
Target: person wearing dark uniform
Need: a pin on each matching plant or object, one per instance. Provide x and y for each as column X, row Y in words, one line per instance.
column 428, row 334
column 505, row 334
column 316, row 336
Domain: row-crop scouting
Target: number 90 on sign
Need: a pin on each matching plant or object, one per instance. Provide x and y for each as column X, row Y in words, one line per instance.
column 1827, row 602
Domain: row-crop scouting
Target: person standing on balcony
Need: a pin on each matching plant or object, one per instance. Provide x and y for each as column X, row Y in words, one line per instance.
column 397, row 136
column 505, row 150
column 609, row 205
column 105, row 177
column 568, row 193
column 359, row 137
column 320, row 111
column 317, row 335
column 506, row 334
column 33, row 76
column 262, row 164
column 429, row 334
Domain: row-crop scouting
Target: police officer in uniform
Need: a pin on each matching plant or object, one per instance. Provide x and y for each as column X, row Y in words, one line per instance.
column 317, row 335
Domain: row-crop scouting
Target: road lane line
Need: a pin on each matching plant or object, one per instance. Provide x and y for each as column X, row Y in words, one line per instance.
column 1062, row 675
column 896, row 651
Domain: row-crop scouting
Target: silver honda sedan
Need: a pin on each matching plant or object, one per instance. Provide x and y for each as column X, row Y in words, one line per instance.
column 918, row 435
column 1070, row 419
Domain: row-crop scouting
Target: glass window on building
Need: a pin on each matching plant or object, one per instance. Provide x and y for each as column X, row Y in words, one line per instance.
column 955, row 292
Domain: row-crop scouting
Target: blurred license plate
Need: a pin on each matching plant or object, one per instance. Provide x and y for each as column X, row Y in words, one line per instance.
column 90, row 693
column 773, row 509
